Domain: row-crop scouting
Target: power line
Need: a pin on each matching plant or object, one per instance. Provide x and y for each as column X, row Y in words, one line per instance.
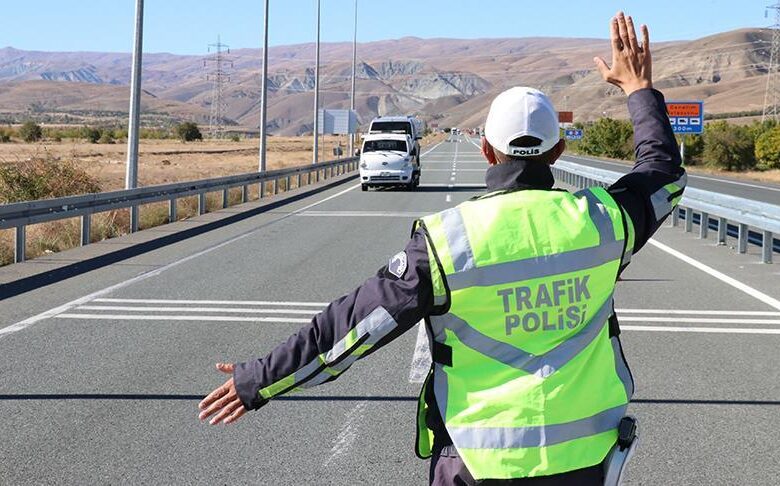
column 219, row 64
column 771, row 96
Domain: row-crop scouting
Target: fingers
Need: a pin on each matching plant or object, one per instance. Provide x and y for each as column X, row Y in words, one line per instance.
column 226, row 412
column 226, row 367
column 645, row 39
column 217, row 405
column 601, row 65
column 614, row 35
column 240, row 411
column 632, row 34
column 215, row 395
column 623, row 30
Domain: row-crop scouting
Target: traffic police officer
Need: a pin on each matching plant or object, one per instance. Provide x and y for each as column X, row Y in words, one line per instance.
column 528, row 382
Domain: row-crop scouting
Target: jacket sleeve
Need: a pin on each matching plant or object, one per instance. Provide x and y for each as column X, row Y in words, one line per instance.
column 350, row 328
column 655, row 185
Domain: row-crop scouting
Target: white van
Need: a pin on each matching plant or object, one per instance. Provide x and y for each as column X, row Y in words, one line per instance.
column 386, row 159
column 407, row 125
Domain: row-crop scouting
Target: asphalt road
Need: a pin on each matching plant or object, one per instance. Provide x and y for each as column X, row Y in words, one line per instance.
column 100, row 375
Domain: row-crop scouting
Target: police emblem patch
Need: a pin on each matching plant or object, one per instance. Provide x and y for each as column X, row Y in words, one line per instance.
column 397, row 265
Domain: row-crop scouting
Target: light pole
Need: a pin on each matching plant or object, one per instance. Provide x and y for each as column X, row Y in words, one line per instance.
column 131, row 174
column 354, row 71
column 264, row 94
column 316, row 155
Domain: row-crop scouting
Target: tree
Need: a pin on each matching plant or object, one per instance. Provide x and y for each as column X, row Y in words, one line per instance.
column 188, row 132
column 768, row 150
column 729, row 147
column 106, row 137
column 610, row 138
column 31, row 132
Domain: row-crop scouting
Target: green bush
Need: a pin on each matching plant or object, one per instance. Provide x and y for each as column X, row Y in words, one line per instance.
column 92, row 135
column 768, row 150
column 728, row 147
column 5, row 136
column 188, row 132
column 609, row 138
column 106, row 137
column 43, row 178
column 694, row 148
column 31, row 132
column 235, row 138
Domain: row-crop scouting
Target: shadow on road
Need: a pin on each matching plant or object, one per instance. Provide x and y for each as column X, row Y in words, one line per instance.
column 334, row 398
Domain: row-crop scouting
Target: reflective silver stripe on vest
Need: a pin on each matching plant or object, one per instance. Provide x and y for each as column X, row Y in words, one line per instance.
column 440, row 389
column 599, row 215
column 661, row 199
column 543, row 365
column 535, row 436
column 621, row 368
column 378, row 324
column 536, row 267
column 457, row 240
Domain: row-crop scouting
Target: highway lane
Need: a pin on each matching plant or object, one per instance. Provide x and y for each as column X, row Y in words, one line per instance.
column 106, row 391
column 759, row 191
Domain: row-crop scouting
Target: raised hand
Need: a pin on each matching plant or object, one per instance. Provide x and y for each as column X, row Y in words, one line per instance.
column 632, row 66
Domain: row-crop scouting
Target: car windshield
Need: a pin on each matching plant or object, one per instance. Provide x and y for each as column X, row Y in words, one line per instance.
column 388, row 126
column 377, row 145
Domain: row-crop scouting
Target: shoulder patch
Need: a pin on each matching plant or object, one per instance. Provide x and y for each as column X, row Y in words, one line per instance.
column 398, row 264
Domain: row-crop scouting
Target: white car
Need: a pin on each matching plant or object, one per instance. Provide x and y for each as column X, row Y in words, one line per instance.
column 387, row 159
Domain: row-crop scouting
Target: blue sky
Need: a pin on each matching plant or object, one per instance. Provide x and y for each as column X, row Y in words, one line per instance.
column 187, row 26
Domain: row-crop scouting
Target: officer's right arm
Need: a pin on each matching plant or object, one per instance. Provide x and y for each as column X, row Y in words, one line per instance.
column 654, row 187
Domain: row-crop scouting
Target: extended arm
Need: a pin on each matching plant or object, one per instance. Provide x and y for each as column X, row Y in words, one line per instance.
column 350, row 328
column 649, row 193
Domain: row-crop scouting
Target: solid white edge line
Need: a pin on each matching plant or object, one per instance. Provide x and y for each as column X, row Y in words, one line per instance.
column 122, row 317
column 708, row 330
column 770, row 301
column 152, row 273
column 703, row 320
column 196, row 309
column 211, row 302
column 699, row 312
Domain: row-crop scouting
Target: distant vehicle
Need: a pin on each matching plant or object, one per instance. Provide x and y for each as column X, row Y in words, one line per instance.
column 407, row 125
column 387, row 159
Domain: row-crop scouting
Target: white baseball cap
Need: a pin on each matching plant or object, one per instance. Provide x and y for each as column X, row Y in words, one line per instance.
column 519, row 112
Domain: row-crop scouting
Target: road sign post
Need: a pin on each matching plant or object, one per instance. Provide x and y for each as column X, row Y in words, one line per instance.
column 687, row 118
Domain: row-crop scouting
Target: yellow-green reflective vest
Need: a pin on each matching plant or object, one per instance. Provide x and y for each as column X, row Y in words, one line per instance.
column 531, row 382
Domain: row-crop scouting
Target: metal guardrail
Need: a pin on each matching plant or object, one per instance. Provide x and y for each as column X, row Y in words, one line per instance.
column 19, row 215
column 708, row 209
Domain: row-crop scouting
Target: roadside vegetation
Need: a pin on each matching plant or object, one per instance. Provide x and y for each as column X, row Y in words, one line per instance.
column 723, row 147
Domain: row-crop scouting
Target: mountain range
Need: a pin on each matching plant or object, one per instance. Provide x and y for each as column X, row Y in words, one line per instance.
column 445, row 81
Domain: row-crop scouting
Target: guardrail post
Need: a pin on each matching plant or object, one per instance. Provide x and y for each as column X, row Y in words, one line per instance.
column 722, row 231
column 742, row 238
column 133, row 219
column 172, row 210
column 767, row 247
column 287, row 182
column 244, row 194
column 86, row 229
column 704, row 225
column 201, row 203
column 261, row 191
column 20, row 244
column 225, row 198
column 300, row 179
column 675, row 217
column 688, row 220
column 276, row 186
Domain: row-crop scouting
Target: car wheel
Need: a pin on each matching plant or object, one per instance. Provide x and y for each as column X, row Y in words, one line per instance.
column 364, row 187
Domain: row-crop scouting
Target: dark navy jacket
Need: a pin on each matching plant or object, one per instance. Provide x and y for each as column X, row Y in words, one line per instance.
column 409, row 299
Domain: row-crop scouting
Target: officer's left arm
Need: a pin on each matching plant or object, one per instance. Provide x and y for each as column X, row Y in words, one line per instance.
column 350, row 328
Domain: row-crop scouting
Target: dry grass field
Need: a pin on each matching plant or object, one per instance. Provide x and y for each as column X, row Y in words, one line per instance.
column 160, row 162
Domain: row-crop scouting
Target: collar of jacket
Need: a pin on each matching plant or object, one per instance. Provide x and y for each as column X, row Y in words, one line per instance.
column 519, row 174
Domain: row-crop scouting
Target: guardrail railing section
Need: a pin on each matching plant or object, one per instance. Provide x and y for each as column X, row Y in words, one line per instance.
column 18, row 216
column 749, row 221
